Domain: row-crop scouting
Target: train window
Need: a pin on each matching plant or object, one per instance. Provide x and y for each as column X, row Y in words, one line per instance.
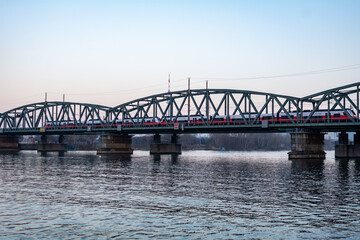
column 267, row 117
column 337, row 115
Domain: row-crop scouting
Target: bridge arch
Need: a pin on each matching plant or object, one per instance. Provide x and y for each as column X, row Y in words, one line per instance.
column 38, row 115
column 204, row 103
column 198, row 107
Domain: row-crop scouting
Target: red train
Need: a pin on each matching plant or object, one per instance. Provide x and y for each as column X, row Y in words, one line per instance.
column 318, row 117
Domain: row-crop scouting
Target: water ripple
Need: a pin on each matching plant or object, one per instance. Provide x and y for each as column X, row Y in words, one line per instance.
column 193, row 196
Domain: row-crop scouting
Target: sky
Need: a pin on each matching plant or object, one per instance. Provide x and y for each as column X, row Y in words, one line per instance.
column 110, row 52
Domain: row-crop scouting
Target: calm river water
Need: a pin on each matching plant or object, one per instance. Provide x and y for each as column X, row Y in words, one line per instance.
column 197, row 195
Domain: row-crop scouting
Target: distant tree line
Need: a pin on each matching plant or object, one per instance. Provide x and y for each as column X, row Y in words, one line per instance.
column 229, row 142
column 248, row 142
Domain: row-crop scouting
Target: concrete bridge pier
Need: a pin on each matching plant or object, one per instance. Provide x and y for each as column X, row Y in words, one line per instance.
column 307, row 145
column 345, row 150
column 44, row 147
column 165, row 148
column 115, row 145
column 9, row 144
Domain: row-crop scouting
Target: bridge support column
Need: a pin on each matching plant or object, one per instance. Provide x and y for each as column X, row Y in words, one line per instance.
column 344, row 149
column 165, row 148
column 307, row 146
column 45, row 147
column 157, row 139
column 9, row 144
column 115, row 144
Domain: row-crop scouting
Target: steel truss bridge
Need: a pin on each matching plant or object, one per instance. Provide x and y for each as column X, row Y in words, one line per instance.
column 60, row 118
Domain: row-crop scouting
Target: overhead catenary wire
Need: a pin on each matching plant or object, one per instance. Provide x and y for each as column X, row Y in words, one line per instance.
column 201, row 79
column 182, row 82
column 152, row 86
column 322, row 71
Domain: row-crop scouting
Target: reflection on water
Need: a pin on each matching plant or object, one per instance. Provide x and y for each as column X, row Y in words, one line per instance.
column 202, row 194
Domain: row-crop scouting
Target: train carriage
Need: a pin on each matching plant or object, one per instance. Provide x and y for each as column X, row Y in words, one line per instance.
column 319, row 116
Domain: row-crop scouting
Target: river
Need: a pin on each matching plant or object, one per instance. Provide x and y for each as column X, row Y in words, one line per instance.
column 196, row 195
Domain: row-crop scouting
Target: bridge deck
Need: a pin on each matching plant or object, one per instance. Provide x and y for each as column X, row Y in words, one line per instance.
column 272, row 128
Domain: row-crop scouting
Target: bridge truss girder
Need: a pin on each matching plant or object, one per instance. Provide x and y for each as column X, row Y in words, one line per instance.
column 38, row 115
column 204, row 103
column 341, row 98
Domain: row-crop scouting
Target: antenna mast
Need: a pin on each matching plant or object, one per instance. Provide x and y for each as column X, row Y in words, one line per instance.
column 168, row 92
column 169, row 83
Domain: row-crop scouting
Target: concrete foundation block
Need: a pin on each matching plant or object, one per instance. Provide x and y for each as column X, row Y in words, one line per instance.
column 51, row 147
column 165, row 148
column 115, row 144
column 347, row 151
column 306, row 155
column 9, row 144
column 307, row 146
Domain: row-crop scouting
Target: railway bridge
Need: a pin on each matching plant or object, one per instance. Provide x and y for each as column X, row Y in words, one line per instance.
column 307, row 119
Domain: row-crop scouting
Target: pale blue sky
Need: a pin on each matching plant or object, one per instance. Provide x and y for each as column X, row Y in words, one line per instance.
column 109, row 52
